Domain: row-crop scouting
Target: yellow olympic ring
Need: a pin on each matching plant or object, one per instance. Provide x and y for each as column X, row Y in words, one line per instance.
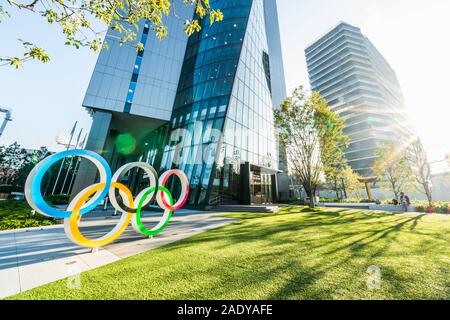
column 71, row 224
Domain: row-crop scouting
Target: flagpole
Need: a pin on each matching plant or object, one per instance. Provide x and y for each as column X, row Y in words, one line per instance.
column 77, row 165
column 71, row 162
column 62, row 164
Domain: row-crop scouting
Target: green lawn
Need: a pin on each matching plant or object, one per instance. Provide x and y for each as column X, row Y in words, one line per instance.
column 16, row 215
column 297, row 254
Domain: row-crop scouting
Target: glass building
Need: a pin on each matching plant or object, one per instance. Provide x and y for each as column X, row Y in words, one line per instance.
column 203, row 104
column 360, row 85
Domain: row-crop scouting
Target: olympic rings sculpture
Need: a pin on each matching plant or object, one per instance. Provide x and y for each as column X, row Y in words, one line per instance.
column 89, row 198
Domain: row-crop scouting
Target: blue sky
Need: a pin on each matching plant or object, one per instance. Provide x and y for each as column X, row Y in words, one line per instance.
column 411, row 34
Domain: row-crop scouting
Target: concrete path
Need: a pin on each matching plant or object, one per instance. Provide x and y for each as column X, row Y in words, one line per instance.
column 30, row 258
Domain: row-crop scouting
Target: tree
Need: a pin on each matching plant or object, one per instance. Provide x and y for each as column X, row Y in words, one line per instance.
column 350, row 183
column 77, row 17
column 16, row 164
column 13, row 158
column 334, row 182
column 393, row 168
column 31, row 160
column 312, row 136
column 418, row 160
column 334, row 161
column 344, row 182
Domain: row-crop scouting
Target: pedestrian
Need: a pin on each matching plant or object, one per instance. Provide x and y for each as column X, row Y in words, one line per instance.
column 405, row 201
column 408, row 202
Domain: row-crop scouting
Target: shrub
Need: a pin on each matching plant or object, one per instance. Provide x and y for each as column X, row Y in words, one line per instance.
column 329, row 200
column 13, row 205
column 349, row 200
column 11, row 222
column 57, row 199
column 9, row 189
column 16, row 214
column 438, row 207
column 299, row 203
column 370, row 201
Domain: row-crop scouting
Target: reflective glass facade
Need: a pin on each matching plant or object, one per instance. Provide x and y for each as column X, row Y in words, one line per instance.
column 140, row 83
column 220, row 131
column 249, row 130
column 224, row 103
column 204, row 92
column 275, row 52
column 136, row 69
column 359, row 84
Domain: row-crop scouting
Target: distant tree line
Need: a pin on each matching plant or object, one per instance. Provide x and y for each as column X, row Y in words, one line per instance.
column 404, row 167
column 16, row 164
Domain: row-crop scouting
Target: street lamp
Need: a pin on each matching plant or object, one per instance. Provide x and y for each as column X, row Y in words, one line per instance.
column 7, row 119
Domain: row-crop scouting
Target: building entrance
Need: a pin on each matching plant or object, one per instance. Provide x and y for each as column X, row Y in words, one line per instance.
column 261, row 191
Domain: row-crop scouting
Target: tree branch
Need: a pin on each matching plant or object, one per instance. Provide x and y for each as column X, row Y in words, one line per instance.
column 19, row 5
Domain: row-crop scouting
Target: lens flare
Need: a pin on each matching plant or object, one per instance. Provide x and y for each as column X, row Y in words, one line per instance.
column 126, row 144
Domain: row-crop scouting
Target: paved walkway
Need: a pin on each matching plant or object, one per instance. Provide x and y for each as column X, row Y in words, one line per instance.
column 30, row 258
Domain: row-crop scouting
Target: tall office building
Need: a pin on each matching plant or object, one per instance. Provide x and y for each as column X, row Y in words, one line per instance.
column 203, row 104
column 360, row 85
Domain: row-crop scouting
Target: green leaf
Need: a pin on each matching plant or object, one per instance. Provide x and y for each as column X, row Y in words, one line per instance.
column 15, row 62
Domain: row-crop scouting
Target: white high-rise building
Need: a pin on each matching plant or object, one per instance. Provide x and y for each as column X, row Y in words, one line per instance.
column 360, row 85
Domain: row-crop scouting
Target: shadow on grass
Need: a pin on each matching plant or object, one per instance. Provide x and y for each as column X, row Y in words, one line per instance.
column 300, row 224
column 296, row 254
column 292, row 242
column 261, row 226
column 282, row 212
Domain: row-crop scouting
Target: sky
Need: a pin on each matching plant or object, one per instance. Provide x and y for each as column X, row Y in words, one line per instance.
column 411, row 34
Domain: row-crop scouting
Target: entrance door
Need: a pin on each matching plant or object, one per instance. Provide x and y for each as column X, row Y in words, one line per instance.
column 256, row 187
column 267, row 187
column 261, row 187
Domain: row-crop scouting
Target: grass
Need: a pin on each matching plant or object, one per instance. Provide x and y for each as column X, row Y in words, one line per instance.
column 296, row 254
column 16, row 215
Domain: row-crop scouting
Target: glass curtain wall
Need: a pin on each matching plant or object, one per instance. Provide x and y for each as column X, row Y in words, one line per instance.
column 223, row 114
column 203, row 95
column 249, row 126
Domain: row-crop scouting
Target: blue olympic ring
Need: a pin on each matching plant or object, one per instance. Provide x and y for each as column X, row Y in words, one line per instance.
column 33, row 188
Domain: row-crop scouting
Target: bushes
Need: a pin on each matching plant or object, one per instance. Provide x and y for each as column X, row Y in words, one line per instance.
column 329, row 200
column 370, row 201
column 333, row 200
column 441, row 207
column 16, row 215
column 9, row 189
column 297, row 202
column 12, row 205
column 19, row 221
column 57, row 199
column 438, row 207
column 420, row 206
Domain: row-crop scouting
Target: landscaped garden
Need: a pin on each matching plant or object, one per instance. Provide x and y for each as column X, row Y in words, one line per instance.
column 438, row 207
column 298, row 253
column 419, row 205
column 15, row 214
